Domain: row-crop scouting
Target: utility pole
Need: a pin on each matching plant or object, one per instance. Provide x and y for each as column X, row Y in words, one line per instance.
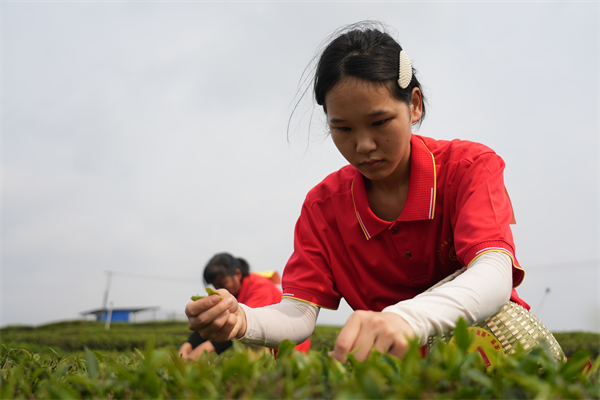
column 108, row 278
column 109, row 316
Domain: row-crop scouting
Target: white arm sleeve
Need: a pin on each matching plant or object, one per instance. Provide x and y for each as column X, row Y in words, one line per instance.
column 476, row 294
column 291, row 319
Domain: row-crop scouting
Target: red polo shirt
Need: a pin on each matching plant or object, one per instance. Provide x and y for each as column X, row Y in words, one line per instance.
column 456, row 210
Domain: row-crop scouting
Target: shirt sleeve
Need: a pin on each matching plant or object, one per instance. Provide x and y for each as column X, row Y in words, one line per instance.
column 307, row 275
column 482, row 211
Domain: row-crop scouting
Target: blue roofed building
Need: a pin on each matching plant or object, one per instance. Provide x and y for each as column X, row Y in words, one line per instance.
column 117, row 314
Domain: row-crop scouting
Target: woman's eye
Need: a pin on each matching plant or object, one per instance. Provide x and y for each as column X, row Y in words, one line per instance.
column 341, row 128
column 379, row 123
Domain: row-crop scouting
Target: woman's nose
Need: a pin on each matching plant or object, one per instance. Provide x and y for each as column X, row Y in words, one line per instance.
column 365, row 143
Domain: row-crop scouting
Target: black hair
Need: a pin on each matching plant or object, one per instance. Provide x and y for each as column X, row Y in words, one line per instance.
column 224, row 264
column 365, row 51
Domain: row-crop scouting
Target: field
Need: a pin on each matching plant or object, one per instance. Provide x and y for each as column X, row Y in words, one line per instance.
column 79, row 359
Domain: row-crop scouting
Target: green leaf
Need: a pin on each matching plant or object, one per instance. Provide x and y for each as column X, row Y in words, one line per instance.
column 98, row 355
column 462, row 335
column 93, row 368
column 286, row 349
column 65, row 392
column 52, row 350
column 149, row 350
column 445, row 373
column 211, row 292
column 575, row 365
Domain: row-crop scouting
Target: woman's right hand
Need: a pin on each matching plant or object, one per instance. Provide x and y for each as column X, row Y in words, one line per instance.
column 216, row 319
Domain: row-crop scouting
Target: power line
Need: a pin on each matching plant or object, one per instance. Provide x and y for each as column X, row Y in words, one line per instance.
column 539, row 307
column 109, row 275
column 162, row 278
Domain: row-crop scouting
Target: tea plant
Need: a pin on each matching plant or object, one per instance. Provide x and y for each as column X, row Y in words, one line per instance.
column 447, row 372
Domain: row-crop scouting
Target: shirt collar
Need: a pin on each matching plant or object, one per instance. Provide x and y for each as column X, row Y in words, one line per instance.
column 420, row 203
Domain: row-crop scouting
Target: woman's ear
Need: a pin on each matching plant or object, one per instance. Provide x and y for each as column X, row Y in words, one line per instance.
column 416, row 105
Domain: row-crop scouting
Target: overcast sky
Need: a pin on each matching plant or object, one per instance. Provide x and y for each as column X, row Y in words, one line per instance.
column 144, row 137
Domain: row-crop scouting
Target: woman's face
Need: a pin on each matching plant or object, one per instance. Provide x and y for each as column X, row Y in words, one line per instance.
column 371, row 128
column 232, row 283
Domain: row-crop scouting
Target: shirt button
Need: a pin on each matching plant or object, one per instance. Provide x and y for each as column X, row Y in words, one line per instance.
column 408, row 254
column 395, row 230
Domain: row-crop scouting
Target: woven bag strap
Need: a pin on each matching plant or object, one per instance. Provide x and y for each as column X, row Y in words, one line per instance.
column 447, row 279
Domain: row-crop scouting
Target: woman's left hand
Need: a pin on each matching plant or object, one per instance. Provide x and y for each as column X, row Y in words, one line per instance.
column 366, row 330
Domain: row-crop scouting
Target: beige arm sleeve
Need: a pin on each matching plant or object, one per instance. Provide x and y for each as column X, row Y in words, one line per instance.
column 291, row 319
column 476, row 294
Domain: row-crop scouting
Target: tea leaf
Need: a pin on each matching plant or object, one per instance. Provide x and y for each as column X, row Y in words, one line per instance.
column 52, row 350
column 107, row 372
column 92, row 363
column 211, row 292
column 286, row 349
column 462, row 335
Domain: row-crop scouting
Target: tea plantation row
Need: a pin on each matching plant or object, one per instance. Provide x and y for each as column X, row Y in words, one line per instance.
column 33, row 365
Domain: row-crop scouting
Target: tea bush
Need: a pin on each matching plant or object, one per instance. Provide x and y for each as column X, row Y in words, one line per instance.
column 447, row 372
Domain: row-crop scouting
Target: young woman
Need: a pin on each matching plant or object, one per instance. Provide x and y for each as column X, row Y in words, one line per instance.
column 407, row 212
column 227, row 272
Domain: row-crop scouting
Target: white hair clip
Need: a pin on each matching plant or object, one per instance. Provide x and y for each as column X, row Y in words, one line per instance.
column 405, row 71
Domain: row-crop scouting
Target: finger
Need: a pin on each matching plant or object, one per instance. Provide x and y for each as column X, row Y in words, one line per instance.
column 196, row 307
column 217, row 310
column 378, row 334
column 363, row 345
column 228, row 330
column 233, row 327
column 383, row 343
column 226, row 295
column 194, row 355
column 398, row 350
column 207, row 317
column 193, row 308
column 403, row 332
column 208, row 331
column 347, row 337
column 399, row 346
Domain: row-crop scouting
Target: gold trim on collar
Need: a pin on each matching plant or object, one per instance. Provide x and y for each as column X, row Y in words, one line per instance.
column 362, row 226
column 434, row 188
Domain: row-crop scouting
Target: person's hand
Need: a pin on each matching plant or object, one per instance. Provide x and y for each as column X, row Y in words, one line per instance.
column 216, row 319
column 185, row 350
column 196, row 353
column 366, row 330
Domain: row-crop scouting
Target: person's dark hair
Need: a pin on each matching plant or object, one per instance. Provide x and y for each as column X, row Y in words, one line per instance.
column 365, row 51
column 224, row 264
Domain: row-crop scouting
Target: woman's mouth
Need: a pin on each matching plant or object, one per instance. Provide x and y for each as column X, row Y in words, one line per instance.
column 371, row 164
